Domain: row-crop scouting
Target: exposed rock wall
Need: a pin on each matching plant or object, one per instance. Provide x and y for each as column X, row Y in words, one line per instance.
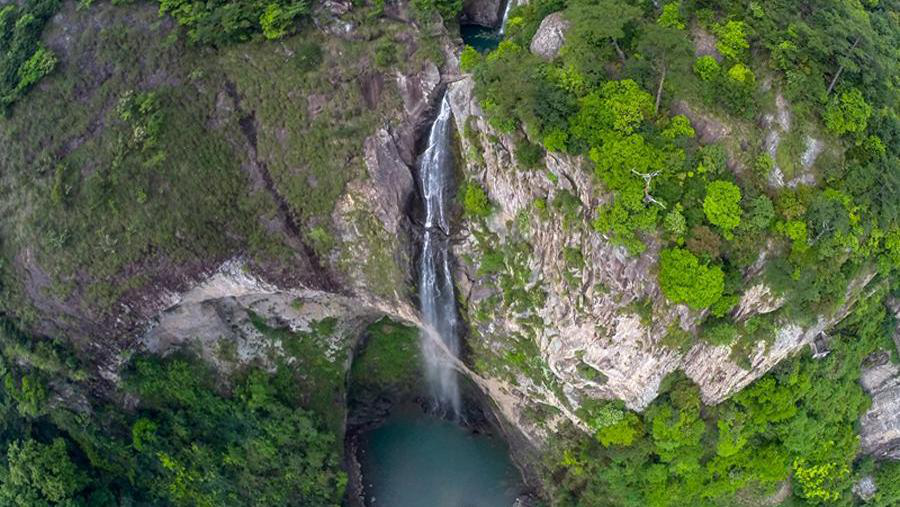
column 880, row 426
column 487, row 13
column 216, row 314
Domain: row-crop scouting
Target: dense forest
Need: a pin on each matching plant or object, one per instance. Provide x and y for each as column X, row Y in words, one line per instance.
column 177, row 432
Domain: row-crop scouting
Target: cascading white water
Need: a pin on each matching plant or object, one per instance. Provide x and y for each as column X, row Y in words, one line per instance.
column 435, row 280
column 509, row 5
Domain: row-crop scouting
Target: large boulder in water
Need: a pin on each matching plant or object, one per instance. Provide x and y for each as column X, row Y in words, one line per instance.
column 550, row 36
column 482, row 12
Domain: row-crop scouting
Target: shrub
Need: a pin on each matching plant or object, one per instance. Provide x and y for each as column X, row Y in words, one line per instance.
column 732, row 41
column 707, row 68
column 385, row 53
column 722, row 205
column 448, row 9
column 469, row 59
column 41, row 474
column 763, row 166
column 475, row 201
column 720, row 334
column 528, row 154
column 760, row 213
column 25, row 60
column 704, row 242
column 220, row 22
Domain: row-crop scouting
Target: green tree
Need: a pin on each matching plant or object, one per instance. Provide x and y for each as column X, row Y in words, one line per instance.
column 597, row 23
column 667, row 49
column 619, row 105
column 684, row 280
column 848, row 114
column 276, row 19
column 671, row 16
column 887, row 479
column 722, row 205
column 475, row 200
column 469, row 59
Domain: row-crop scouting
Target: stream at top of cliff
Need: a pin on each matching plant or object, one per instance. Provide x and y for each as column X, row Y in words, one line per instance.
column 419, row 460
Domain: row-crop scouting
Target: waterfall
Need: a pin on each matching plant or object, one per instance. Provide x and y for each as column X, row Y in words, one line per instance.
column 509, row 5
column 435, row 280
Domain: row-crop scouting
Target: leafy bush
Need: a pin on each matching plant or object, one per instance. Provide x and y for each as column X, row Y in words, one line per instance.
column 40, row 474
column 671, row 16
column 684, row 280
column 707, row 68
column 848, row 113
column 722, row 205
column 469, row 59
column 887, row 479
column 475, row 201
column 732, row 39
column 448, row 9
column 528, row 154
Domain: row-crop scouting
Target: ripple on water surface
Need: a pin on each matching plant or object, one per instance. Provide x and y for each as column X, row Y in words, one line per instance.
column 416, row 460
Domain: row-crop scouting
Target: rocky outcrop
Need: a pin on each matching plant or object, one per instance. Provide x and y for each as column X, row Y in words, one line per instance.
column 865, row 488
column 217, row 315
column 709, row 129
column 704, row 43
column 880, row 426
column 487, row 13
column 550, row 36
column 599, row 330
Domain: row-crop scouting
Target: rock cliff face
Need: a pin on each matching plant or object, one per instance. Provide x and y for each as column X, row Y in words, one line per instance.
column 594, row 319
column 487, row 13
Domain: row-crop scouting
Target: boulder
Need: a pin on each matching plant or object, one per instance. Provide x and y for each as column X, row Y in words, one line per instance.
column 550, row 36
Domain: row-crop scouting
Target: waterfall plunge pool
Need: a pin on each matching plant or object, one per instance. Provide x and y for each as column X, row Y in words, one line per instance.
column 418, row 460
column 481, row 38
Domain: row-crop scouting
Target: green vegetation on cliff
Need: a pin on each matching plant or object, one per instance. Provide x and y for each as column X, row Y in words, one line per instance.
column 625, row 89
column 749, row 143
column 797, row 424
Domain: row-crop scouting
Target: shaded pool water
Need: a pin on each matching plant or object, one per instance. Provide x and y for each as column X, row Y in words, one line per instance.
column 417, row 460
column 481, row 38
